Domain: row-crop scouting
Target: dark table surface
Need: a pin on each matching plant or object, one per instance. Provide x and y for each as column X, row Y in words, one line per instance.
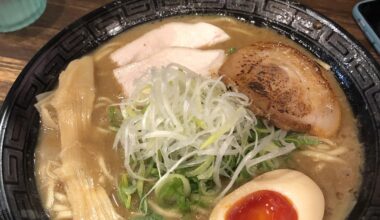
column 17, row 48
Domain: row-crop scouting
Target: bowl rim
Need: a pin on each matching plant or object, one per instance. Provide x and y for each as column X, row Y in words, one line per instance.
column 182, row 10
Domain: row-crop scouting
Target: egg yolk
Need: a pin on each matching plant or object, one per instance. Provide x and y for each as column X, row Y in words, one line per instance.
column 262, row 205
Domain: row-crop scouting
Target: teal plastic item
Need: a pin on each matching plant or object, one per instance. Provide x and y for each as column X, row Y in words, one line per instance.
column 16, row 14
column 363, row 23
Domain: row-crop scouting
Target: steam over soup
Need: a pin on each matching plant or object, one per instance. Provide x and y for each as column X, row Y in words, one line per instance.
column 175, row 118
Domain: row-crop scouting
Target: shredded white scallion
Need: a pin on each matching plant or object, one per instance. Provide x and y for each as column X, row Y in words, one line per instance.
column 179, row 120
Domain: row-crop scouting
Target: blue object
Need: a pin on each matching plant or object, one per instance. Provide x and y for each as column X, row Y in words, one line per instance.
column 16, row 14
column 364, row 23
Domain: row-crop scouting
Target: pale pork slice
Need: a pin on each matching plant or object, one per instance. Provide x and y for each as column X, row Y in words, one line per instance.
column 175, row 34
column 204, row 62
column 286, row 87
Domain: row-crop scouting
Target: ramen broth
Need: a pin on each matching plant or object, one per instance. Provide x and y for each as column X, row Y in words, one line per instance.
column 339, row 181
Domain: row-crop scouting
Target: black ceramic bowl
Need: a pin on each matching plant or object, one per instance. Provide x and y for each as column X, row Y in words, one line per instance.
column 354, row 68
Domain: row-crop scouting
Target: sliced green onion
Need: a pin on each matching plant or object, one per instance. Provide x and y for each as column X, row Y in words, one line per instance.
column 202, row 168
column 231, row 50
column 184, row 129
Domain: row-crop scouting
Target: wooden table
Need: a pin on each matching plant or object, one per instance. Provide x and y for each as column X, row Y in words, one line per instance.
column 18, row 47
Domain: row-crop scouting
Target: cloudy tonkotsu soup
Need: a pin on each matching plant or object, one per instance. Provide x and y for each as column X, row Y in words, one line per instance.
column 69, row 150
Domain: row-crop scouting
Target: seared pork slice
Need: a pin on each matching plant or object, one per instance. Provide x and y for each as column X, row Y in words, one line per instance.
column 175, row 34
column 204, row 62
column 286, row 87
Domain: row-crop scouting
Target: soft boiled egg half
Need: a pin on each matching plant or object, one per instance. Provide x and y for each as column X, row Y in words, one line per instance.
column 277, row 195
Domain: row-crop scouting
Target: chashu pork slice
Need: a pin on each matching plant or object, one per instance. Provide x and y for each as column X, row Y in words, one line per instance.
column 286, row 87
column 204, row 62
column 174, row 34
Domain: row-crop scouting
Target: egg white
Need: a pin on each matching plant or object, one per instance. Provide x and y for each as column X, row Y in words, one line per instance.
column 304, row 194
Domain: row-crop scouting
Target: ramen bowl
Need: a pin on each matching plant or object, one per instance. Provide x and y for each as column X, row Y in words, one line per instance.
column 353, row 67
